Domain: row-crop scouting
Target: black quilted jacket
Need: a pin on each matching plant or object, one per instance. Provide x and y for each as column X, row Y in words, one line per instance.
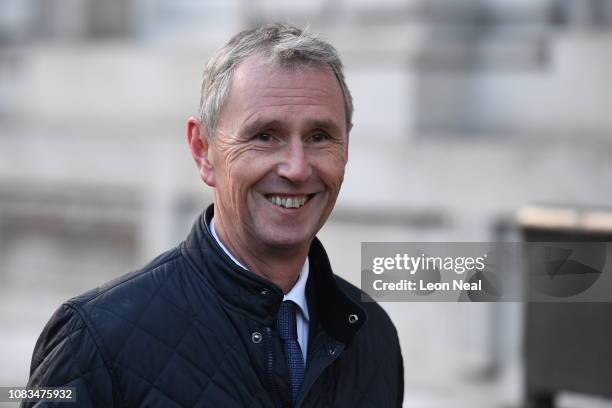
column 191, row 329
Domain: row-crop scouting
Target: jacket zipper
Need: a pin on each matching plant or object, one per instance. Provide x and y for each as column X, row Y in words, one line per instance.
column 270, row 367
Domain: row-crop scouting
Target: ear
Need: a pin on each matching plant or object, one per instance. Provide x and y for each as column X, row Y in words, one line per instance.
column 199, row 144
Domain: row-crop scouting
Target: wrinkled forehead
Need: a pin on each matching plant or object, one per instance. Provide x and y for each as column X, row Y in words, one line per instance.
column 259, row 81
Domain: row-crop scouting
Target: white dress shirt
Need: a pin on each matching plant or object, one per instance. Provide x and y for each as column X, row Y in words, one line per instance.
column 297, row 294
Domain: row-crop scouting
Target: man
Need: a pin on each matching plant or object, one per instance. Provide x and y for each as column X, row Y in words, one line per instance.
column 246, row 312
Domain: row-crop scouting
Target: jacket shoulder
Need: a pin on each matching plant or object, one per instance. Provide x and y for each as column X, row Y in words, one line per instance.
column 75, row 349
column 66, row 355
column 127, row 283
column 137, row 302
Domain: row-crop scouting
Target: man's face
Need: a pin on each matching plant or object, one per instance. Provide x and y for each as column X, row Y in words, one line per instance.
column 278, row 158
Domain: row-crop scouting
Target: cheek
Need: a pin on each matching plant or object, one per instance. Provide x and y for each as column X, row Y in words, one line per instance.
column 232, row 159
column 331, row 171
column 244, row 168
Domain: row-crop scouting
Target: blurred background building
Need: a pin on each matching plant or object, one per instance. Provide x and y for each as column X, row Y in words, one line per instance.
column 464, row 112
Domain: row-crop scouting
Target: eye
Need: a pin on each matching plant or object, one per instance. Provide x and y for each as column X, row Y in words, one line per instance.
column 263, row 137
column 319, row 137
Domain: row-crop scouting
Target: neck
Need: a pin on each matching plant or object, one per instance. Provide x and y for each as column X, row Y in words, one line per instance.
column 282, row 266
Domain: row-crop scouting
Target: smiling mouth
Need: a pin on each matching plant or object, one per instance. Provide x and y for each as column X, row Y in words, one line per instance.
column 289, row 202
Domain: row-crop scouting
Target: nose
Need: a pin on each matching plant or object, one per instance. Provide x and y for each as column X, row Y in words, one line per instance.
column 295, row 165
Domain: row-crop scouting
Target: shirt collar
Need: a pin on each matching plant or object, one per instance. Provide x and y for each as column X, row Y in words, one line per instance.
column 213, row 231
column 297, row 294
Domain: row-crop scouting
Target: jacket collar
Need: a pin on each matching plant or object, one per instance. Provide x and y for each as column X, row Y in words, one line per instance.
column 259, row 298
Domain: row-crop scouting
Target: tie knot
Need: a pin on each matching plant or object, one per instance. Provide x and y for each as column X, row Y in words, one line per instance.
column 286, row 320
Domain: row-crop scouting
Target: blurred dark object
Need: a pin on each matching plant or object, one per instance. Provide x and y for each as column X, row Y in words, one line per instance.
column 567, row 345
column 588, row 14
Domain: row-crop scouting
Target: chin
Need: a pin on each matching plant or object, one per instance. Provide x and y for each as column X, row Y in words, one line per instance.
column 286, row 239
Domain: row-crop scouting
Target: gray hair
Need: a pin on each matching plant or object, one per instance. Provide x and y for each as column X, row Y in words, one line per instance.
column 285, row 44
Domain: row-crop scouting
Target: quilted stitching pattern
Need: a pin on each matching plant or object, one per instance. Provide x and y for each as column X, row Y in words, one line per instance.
column 69, row 358
column 145, row 337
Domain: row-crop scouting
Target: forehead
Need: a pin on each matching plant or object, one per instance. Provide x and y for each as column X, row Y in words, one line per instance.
column 260, row 86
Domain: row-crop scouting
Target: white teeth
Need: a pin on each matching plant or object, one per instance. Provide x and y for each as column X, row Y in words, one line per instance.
column 288, row 202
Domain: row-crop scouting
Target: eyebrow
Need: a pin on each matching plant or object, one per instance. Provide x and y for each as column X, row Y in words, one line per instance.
column 324, row 124
column 261, row 123
column 265, row 123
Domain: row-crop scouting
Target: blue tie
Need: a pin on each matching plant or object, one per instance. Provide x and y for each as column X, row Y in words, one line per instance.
column 287, row 329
